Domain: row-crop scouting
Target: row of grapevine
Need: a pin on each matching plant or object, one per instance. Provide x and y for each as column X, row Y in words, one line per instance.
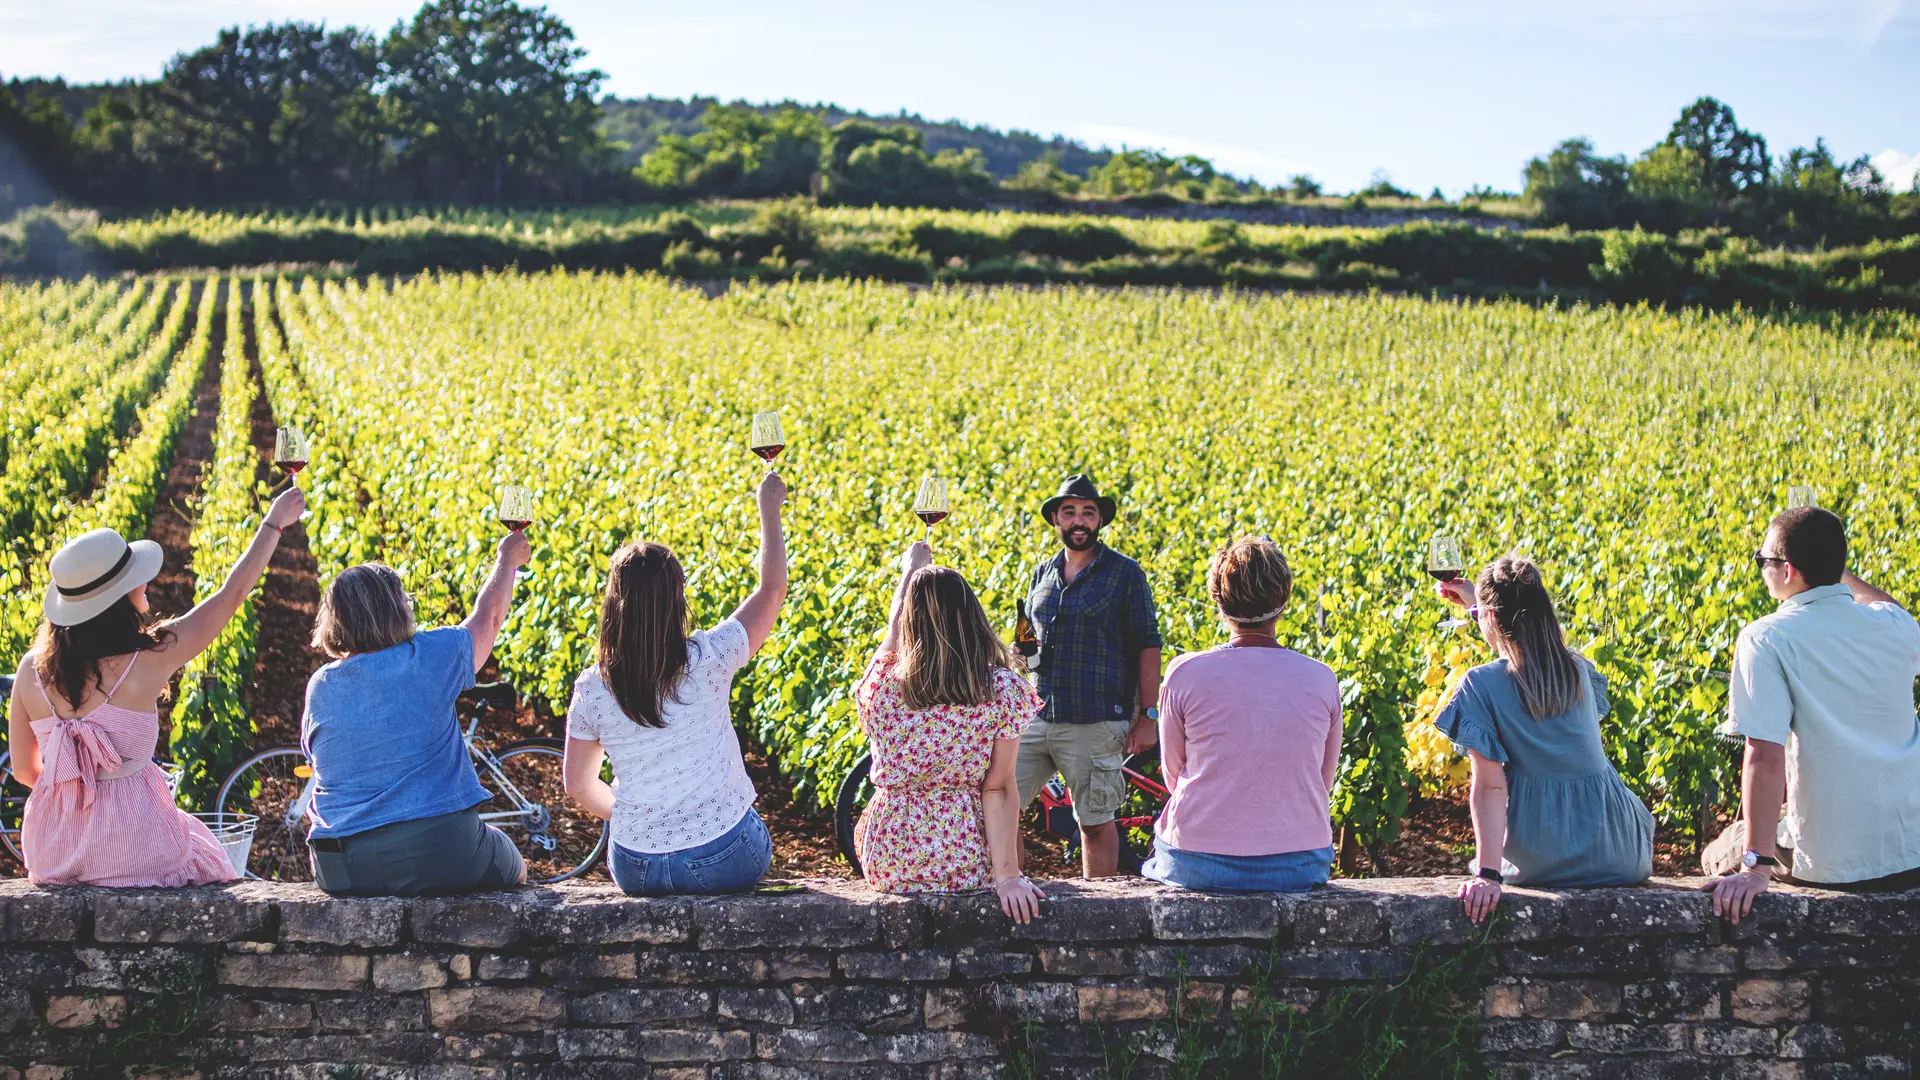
column 67, row 446
column 136, row 473
column 1636, row 453
column 52, row 368
column 211, row 727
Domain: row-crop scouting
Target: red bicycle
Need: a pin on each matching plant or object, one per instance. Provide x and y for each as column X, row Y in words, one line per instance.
column 1146, row 797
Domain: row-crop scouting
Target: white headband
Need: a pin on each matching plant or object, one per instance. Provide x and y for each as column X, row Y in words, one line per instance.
column 1274, row 614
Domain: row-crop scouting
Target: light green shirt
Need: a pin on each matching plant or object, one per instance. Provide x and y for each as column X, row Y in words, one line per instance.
column 1832, row 680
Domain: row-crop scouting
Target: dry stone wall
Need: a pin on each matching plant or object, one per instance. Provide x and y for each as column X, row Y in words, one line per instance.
column 581, row 982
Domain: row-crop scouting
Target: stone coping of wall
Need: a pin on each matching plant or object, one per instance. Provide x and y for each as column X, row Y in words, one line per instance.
column 839, row 914
column 578, row 982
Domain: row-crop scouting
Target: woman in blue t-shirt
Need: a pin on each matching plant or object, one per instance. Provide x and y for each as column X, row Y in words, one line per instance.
column 395, row 796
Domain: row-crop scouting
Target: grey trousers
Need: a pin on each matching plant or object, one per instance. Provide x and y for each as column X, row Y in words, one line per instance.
column 449, row 853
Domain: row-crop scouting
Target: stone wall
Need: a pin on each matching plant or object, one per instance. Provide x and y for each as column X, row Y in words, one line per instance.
column 580, row 982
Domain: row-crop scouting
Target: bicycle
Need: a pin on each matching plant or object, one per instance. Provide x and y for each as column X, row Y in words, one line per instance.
column 559, row 840
column 1146, row 797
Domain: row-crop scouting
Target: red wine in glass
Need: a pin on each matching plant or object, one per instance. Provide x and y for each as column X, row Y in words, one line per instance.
column 932, row 517
column 1445, row 575
column 767, row 438
column 769, row 452
column 516, row 526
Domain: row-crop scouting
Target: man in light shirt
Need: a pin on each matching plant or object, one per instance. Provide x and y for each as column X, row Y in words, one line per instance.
column 1822, row 690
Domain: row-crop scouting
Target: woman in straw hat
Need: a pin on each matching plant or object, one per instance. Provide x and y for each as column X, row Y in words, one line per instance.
column 101, row 812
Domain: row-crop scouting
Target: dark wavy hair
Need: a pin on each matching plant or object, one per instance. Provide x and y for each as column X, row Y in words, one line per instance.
column 643, row 630
column 68, row 657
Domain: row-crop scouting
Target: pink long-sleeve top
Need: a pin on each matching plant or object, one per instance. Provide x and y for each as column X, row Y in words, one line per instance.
column 1249, row 742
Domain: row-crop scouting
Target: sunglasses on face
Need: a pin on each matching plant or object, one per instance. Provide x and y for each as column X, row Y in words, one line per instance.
column 1760, row 562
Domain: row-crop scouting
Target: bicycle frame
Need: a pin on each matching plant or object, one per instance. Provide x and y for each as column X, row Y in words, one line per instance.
column 482, row 755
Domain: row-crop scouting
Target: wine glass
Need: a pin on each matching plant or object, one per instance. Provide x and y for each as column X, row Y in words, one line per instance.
column 930, row 505
column 1445, row 564
column 290, row 451
column 767, row 439
column 515, row 510
column 1800, row 495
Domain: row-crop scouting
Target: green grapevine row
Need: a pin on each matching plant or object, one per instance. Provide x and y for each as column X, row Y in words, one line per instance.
column 124, row 500
column 211, row 726
column 1636, row 453
column 51, row 370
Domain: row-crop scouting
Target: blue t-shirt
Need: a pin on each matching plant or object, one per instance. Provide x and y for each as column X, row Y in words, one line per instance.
column 383, row 738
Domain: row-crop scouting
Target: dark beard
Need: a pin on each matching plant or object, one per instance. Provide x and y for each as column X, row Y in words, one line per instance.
column 1075, row 541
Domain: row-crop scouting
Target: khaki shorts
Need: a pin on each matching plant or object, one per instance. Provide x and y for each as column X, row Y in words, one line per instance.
column 1087, row 756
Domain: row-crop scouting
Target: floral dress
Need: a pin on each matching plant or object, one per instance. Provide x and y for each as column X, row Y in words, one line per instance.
column 924, row 830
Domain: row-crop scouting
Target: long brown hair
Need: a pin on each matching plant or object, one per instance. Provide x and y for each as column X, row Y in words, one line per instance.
column 643, row 630
column 68, row 657
column 1521, row 616
column 948, row 650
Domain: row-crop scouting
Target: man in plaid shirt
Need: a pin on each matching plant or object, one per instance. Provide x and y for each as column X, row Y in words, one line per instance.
column 1099, row 671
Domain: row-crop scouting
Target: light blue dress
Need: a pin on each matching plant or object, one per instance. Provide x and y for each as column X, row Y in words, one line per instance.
column 1571, row 820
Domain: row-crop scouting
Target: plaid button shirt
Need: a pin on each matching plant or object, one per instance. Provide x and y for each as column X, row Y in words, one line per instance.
column 1091, row 634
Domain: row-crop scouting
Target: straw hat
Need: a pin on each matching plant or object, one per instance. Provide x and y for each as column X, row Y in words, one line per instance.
column 94, row 570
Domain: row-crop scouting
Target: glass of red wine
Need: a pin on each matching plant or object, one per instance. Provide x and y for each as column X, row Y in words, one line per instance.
column 1445, row 564
column 516, row 511
column 930, row 505
column 767, row 440
column 290, row 451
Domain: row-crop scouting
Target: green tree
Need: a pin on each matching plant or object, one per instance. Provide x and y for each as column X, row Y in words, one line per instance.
column 1733, row 158
column 489, row 90
column 274, row 112
column 741, row 152
column 1572, row 185
column 36, row 148
column 866, row 164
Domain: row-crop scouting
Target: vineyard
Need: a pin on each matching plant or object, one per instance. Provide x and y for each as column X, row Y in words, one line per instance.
column 1637, row 454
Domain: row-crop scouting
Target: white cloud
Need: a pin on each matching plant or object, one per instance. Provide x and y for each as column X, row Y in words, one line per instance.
column 1898, row 168
column 1238, row 160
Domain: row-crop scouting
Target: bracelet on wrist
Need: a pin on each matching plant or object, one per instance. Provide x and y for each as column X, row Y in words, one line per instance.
column 271, row 525
column 1016, row 877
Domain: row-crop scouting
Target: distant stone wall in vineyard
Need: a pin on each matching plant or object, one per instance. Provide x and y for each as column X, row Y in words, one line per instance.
column 581, row 982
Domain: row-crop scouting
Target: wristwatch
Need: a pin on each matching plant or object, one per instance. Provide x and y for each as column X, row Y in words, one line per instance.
column 1152, row 713
column 1753, row 858
column 1490, row 874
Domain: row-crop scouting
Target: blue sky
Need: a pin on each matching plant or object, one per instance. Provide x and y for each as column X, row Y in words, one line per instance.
column 1434, row 94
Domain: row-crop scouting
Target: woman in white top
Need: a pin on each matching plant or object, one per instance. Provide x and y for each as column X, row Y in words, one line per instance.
column 656, row 703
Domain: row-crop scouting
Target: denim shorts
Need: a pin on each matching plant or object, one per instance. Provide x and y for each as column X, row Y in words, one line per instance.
column 1293, row 871
column 735, row 862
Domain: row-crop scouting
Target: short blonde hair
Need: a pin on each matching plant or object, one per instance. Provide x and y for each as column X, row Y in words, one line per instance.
column 1250, row 581
column 364, row 610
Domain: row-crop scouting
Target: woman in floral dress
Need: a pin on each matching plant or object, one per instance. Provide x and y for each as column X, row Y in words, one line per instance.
column 943, row 711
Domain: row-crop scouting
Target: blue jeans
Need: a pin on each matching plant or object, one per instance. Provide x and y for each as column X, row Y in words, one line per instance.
column 1293, row 871
column 735, row 862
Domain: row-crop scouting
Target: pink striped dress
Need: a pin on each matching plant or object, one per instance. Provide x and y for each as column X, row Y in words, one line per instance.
column 102, row 814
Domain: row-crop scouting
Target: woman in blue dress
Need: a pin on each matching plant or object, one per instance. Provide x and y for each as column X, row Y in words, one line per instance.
column 1548, row 807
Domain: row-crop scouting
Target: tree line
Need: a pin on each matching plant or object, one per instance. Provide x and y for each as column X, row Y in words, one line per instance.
column 488, row 101
column 1709, row 172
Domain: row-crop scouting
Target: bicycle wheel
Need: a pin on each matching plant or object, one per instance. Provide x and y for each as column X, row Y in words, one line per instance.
column 270, row 785
column 558, row 839
column 847, row 804
column 13, row 805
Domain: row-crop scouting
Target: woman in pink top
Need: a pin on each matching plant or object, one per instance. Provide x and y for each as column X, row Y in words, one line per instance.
column 1249, row 741
column 83, row 739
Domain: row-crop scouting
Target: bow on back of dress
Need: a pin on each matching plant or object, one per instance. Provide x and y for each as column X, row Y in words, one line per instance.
column 81, row 747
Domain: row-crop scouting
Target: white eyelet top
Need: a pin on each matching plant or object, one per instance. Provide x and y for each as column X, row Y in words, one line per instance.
column 684, row 784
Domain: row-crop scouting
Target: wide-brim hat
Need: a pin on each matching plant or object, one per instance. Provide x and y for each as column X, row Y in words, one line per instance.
column 1079, row 486
column 94, row 570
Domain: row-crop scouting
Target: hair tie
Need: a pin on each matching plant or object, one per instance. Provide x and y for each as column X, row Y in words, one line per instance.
column 1251, row 620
